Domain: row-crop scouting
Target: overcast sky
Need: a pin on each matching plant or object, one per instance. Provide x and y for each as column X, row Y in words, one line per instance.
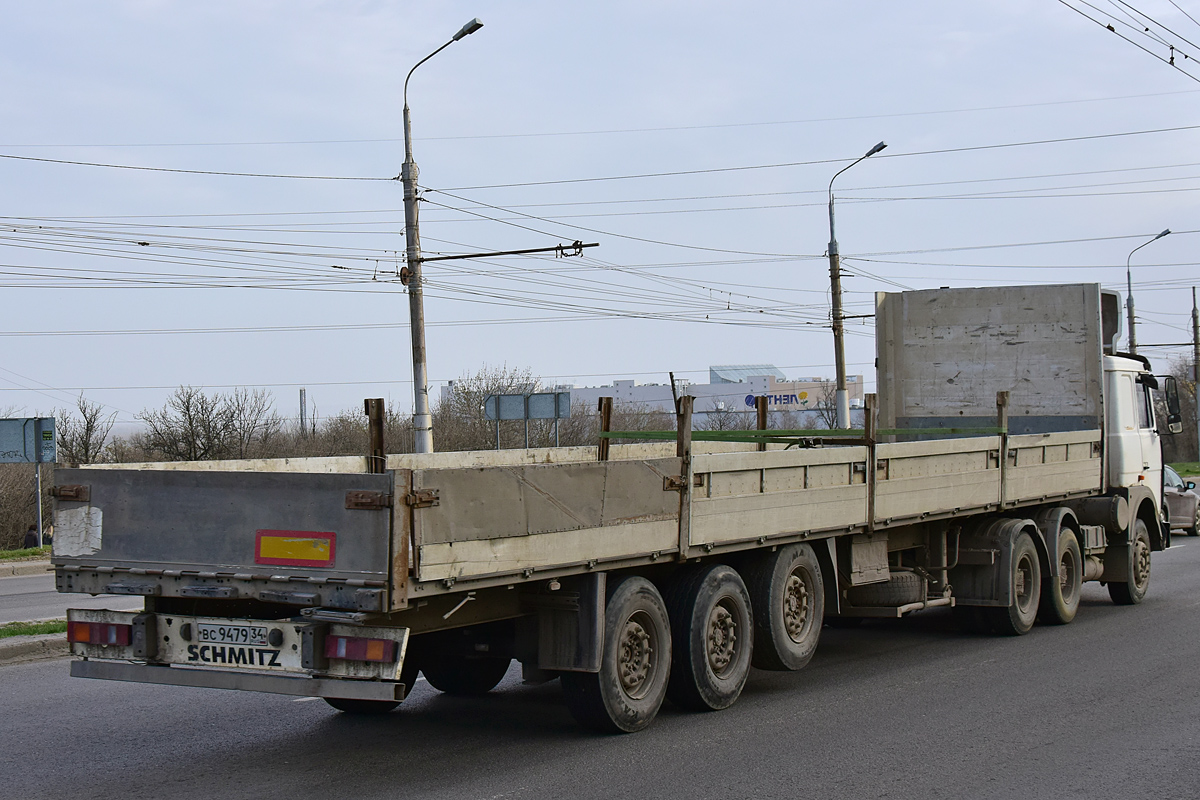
column 557, row 122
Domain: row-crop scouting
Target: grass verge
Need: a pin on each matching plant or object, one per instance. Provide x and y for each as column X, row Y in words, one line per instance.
column 1187, row 468
column 25, row 553
column 32, row 628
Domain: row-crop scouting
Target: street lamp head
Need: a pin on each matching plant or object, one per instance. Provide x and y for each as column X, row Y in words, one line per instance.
column 467, row 30
column 875, row 149
column 1164, row 233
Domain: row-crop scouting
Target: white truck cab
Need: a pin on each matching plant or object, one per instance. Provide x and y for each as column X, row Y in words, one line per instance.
column 1134, row 446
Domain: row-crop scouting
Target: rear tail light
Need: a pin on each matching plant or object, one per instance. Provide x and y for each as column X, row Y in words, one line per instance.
column 356, row 648
column 102, row 633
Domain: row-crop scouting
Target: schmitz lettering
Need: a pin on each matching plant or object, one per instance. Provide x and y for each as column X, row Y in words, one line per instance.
column 233, row 655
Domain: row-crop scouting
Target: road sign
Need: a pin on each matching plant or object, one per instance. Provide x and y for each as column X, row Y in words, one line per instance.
column 27, row 441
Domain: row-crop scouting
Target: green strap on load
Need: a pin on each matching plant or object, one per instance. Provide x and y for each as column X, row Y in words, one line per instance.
column 793, row 436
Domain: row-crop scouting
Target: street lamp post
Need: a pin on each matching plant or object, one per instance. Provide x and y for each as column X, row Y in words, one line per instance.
column 1129, row 291
column 422, row 421
column 835, row 285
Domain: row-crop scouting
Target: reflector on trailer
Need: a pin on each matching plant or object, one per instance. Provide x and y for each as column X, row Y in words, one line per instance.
column 102, row 633
column 357, row 648
column 295, row 548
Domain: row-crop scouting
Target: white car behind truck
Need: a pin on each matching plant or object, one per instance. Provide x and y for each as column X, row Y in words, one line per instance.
column 1012, row 455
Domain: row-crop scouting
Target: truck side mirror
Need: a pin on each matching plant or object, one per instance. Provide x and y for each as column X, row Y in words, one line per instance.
column 1171, row 392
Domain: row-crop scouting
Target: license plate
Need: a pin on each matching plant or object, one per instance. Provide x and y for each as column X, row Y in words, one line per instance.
column 212, row 642
column 251, row 635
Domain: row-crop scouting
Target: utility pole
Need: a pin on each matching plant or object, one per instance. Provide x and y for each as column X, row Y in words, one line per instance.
column 303, row 426
column 422, row 421
column 1129, row 291
column 835, row 287
column 1196, row 369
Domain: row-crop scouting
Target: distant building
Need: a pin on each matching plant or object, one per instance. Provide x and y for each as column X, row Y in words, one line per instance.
column 731, row 388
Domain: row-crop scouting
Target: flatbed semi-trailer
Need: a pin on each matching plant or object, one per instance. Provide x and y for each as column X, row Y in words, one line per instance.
column 637, row 572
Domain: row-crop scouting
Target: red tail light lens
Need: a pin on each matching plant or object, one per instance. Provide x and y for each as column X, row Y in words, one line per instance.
column 356, row 648
column 103, row 633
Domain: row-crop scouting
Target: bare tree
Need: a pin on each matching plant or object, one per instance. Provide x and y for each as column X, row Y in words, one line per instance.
column 83, row 433
column 826, row 406
column 191, row 426
column 254, row 425
column 459, row 422
column 1182, row 446
column 723, row 419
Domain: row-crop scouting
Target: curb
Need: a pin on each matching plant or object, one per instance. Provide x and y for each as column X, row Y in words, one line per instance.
column 25, row 649
column 11, row 568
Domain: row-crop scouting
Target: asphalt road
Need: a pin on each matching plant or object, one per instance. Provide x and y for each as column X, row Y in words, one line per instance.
column 1107, row 707
column 32, row 597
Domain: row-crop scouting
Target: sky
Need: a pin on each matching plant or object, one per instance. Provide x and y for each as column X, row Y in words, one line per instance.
column 258, row 243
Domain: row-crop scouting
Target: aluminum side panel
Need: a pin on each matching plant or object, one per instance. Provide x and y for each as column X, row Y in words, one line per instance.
column 209, row 521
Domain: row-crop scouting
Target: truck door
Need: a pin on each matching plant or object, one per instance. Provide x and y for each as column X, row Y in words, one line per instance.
column 1148, row 438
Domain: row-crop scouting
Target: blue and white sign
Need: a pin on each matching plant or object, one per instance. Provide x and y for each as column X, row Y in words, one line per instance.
column 797, row 399
column 27, row 441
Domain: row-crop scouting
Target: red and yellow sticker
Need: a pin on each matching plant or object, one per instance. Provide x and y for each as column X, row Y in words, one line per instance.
column 295, row 548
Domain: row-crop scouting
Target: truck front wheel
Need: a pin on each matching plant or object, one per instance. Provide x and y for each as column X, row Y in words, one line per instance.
column 627, row 692
column 1131, row 592
column 1018, row 617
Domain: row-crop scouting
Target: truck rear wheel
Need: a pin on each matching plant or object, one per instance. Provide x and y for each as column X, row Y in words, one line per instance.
column 1131, row 592
column 788, row 599
column 627, row 692
column 456, row 673
column 1018, row 617
column 1061, row 593
column 712, row 629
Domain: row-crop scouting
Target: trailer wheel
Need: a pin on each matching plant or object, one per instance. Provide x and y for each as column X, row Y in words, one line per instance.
column 788, row 599
column 359, row 707
column 455, row 673
column 1017, row 618
column 1131, row 592
column 625, row 695
column 1061, row 593
column 713, row 631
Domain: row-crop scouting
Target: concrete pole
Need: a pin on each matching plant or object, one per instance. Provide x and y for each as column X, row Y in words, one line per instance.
column 1196, row 368
column 841, row 398
column 1129, row 291
column 1129, row 308
column 422, row 421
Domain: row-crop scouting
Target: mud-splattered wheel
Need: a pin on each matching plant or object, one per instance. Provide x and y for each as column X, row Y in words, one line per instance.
column 627, row 692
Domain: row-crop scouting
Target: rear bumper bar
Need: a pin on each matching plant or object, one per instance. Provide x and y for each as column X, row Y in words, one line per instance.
column 246, row 682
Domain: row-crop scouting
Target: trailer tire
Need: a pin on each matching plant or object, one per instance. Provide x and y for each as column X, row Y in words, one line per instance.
column 1018, row 617
column 1131, row 592
column 627, row 692
column 900, row 589
column 361, row 707
column 713, row 631
column 787, row 596
column 1061, row 593
column 455, row 673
